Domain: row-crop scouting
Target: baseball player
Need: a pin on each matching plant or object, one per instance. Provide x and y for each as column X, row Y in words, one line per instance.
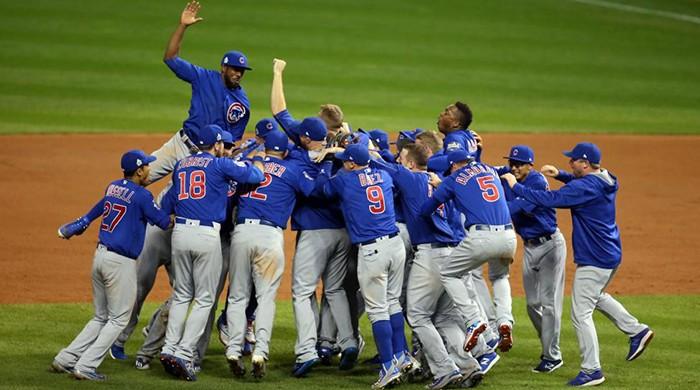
column 217, row 96
column 478, row 195
column 125, row 209
column 454, row 123
column 323, row 247
column 198, row 199
column 544, row 258
column 367, row 202
column 257, row 250
column 590, row 193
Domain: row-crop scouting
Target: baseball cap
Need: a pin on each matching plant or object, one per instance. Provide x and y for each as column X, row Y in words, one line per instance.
column 208, row 135
column 265, row 126
column 585, row 151
column 522, row 153
column 314, row 128
column 235, row 59
column 361, row 137
column 380, row 138
column 406, row 137
column 459, row 155
column 276, row 140
column 357, row 153
column 133, row 159
column 226, row 137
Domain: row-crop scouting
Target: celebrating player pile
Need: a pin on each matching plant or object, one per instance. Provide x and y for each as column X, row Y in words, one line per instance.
column 396, row 236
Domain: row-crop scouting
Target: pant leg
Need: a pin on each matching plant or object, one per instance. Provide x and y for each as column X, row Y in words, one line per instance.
column 589, row 283
column 183, row 286
column 240, row 283
column 551, row 293
column 155, row 340
column 119, row 281
column 503, row 302
column 172, row 151
column 408, row 249
column 333, row 278
column 617, row 313
column 484, row 299
column 531, row 277
column 451, row 328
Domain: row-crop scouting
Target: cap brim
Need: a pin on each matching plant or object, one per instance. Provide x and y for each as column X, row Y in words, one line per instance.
column 517, row 159
column 149, row 159
column 569, row 153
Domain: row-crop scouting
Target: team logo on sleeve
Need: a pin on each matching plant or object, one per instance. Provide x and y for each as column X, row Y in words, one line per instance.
column 236, row 111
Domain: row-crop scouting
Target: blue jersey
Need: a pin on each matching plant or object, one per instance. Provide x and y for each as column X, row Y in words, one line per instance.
column 591, row 198
column 274, row 199
column 289, row 125
column 231, row 202
column 212, row 102
column 478, row 194
column 201, row 186
column 529, row 219
column 458, row 139
column 125, row 209
column 367, row 202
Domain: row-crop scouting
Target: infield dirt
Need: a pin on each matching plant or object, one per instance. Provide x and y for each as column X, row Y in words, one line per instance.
column 51, row 179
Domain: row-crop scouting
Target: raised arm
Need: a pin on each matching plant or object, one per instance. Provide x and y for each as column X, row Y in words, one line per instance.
column 187, row 18
column 277, row 101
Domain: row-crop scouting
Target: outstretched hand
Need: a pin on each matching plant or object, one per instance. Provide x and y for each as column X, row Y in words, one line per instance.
column 278, row 65
column 189, row 14
column 549, row 170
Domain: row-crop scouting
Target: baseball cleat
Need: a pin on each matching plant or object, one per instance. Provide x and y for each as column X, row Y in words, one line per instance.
column 222, row 327
column 144, row 331
column 116, row 352
column 471, row 379
column 487, row 361
column 387, row 377
column 60, row 368
column 169, row 364
column 639, row 342
column 235, row 364
column 186, row 370
column 409, row 366
column 89, row 375
column 250, row 333
column 583, row 379
column 142, row 363
column 259, row 366
column 302, row 369
column 547, row 366
column 348, row 358
column 325, row 354
column 445, row 380
column 505, row 340
column 472, row 335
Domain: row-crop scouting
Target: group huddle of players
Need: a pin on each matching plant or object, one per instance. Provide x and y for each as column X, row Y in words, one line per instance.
column 399, row 234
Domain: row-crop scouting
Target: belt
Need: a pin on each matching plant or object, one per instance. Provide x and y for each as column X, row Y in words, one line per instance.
column 388, row 236
column 538, row 240
column 491, row 228
column 195, row 222
column 248, row 221
column 435, row 245
column 186, row 140
column 105, row 247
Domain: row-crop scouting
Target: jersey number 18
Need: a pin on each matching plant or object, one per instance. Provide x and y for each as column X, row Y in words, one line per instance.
column 192, row 186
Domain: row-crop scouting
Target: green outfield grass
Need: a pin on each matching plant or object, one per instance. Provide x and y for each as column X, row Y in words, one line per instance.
column 30, row 335
column 532, row 66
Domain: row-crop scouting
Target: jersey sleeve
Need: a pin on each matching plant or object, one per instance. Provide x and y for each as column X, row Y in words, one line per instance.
column 443, row 193
column 151, row 211
column 564, row 176
column 333, row 187
column 167, row 203
column 289, row 125
column 572, row 194
column 96, row 210
column 183, row 69
column 241, row 172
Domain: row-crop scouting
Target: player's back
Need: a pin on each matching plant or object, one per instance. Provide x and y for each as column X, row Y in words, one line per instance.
column 479, row 195
column 123, row 223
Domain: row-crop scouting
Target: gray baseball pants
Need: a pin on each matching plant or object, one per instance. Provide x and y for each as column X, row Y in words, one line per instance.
column 587, row 295
column 257, row 257
column 172, row 151
column 196, row 260
column 380, row 272
column 320, row 254
column 157, row 328
column 114, row 291
column 543, row 280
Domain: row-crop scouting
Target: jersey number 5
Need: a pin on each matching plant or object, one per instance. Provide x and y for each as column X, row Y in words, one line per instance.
column 489, row 191
column 193, row 186
column 108, row 207
column 376, row 197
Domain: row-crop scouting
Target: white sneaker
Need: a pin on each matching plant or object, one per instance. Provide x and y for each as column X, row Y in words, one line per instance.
column 387, row 377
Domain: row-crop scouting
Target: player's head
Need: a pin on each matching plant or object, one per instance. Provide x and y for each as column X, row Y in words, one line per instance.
column 135, row 165
column 520, row 160
column 431, row 139
column 406, row 137
column 584, row 158
column 276, row 143
column 312, row 133
column 332, row 116
column 233, row 67
column 263, row 127
column 414, row 157
column 457, row 116
column 354, row 157
column 458, row 159
column 227, row 139
column 380, row 138
column 209, row 139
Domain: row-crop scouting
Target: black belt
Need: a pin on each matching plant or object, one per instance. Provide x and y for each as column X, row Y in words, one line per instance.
column 538, row 240
column 242, row 221
column 490, row 227
column 186, row 140
column 199, row 222
column 392, row 235
column 435, row 245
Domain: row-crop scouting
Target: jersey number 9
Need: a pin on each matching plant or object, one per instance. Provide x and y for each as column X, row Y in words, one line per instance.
column 376, row 197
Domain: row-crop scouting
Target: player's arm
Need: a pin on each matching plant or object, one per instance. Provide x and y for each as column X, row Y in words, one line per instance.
column 180, row 67
column 572, row 194
column 78, row 227
column 556, row 173
column 243, row 172
column 153, row 214
column 443, row 193
column 519, row 204
column 277, row 100
column 379, row 163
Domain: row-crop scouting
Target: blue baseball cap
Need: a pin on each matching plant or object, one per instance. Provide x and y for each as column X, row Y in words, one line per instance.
column 459, row 155
column 406, row 137
column 235, row 59
column 226, row 137
column 361, row 137
column 357, row 153
column 134, row 159
column 522, row 153
column 208, row 135
column 277, row 141
column 585, row 151
column 314, row 128
column 380, row 138
column 265, row 126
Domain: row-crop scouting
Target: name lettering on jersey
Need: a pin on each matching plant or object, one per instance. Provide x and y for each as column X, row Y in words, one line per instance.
column 467, row 173
column 194, row 161
column 120, row 192
column 274, row 169
column 370, row 178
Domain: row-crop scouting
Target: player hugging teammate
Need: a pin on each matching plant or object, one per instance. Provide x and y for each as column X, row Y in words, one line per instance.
column 401, row 237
